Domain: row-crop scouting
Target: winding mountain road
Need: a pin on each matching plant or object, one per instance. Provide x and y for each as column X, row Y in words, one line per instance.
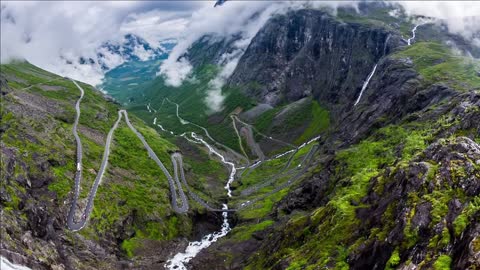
column 252, row 189
column 262, row 134
column 302, row 168
column 185, row 122
column 174, row 182
column 240, row 144
column 193, row 248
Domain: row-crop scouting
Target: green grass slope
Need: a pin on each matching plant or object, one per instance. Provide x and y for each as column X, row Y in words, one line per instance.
column 133, row 201
column 439, row 64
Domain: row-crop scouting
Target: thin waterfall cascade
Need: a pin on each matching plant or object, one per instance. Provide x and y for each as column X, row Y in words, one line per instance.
column 365, row 84
column 414, row 31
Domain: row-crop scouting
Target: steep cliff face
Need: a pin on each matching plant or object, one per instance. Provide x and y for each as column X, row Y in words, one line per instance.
column 209, row 49
column 309, row 52
column 395, row 185
column 394, row 91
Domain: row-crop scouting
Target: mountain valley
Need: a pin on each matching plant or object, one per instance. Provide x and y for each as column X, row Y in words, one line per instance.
column 346, row 140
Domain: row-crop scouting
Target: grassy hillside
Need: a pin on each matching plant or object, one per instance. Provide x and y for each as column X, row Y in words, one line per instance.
column 133, row 202
column 328, row 237
column 191, row 98
column 438, row 64
column 305, row 121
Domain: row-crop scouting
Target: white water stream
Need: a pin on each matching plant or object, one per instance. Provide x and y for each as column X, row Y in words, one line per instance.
column 414, row 30
column 5, row 264
column 365, row 85
column 193, row 248
column 179, row 261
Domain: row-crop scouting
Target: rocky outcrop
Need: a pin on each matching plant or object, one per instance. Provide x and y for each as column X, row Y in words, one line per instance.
column 417, row 179
column 309, row 52
column 395, row 91
column 208, row 50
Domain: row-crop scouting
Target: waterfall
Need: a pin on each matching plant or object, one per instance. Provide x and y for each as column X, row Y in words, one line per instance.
column 414, row 30
column 365, row 84
column 180, row 259
column 386, row 45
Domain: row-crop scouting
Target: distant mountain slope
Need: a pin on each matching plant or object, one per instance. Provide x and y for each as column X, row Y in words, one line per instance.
column 395, row 182
column 132, row 48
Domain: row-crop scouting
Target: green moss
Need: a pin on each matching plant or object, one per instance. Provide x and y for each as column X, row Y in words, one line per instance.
column 440, row 241
column 155, row 230
column 439, row 200
column 62, row 184
column 476, row 244
column 264, row 121
column 320, row 122
column 443, row 263
column 262, row 208
column 129, row 246
column 326, row 238
column 394, row 260
column 297, row 265
column 245, row 232
column 463, row 219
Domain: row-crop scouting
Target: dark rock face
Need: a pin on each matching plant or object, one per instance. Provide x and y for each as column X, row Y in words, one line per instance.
column 308, row 52
column 461, row 152
column 388, row 96
column 313, row 193
column 209, row 50
column 394, row 92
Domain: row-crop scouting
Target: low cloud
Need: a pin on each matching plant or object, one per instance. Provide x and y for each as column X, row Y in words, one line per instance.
column 461, row 17
column 225, row 21
column 175, row 72
column 242, row 18
column 53, row 34
column 228, row 62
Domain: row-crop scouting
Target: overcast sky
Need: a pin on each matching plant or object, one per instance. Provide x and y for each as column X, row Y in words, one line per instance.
column 47, row 33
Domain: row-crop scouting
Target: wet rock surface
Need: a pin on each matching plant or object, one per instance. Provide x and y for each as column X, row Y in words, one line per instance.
column 287, row 58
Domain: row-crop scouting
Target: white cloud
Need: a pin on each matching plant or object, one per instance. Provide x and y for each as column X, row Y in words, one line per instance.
column 175, row 72
column 49, row 33
column 228, row 62
column 155, row 25
column 225, row 21
column 143, row 54
column 110, row 59
column 461, row 17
